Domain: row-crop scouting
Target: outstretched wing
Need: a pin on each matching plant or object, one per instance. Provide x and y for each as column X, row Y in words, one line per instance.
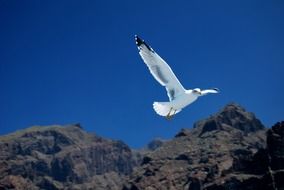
column 160, row 70
column 213, row 90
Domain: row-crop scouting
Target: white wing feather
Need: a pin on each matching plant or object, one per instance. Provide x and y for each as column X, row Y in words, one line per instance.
column 207, row 91
column 160, row 70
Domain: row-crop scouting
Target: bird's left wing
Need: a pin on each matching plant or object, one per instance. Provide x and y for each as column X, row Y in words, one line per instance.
column 160, row 70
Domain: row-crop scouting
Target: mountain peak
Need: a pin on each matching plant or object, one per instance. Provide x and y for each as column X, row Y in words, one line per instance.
column 208, row 156
column 233, row 110
column 53, row 156
column 231, row 116
column 233, row 105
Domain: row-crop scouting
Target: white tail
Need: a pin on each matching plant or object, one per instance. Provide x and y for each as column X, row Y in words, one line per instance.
column 163, row 108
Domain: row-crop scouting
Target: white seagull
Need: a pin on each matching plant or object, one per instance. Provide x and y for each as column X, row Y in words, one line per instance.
column 161, row 71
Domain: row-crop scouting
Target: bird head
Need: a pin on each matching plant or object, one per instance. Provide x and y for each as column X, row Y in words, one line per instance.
column 196, row 91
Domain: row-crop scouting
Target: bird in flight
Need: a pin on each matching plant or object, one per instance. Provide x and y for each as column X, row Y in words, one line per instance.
column 179, row 97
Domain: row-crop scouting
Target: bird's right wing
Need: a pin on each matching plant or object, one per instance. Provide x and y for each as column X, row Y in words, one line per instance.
column 213, row 90
column 160, row 70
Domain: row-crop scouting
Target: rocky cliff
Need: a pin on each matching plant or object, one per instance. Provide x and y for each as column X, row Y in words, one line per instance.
column 229, row 150
column 59, row 157
column 212, row 154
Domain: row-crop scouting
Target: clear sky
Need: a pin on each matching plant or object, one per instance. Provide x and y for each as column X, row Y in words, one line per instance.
column 65, row 62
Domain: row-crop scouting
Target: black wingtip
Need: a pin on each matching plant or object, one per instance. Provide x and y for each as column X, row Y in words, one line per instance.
column 138, row 40
column 217, row 89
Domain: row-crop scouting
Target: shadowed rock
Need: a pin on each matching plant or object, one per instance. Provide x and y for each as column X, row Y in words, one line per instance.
column 225, row 151
column 217, row 149
column 55, row 157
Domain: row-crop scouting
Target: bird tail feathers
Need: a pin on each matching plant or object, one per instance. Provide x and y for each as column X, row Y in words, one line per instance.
column 163, row 108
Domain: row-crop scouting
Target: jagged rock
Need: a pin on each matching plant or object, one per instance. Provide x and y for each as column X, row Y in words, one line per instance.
column 214, row 149
column 55, row 157
column 225, row 151
column 275, row 143
column 231, row 116
column 183, row 132
column 154, row 144
column 263, row 170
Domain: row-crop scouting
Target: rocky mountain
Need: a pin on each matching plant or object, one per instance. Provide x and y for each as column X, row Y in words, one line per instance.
column 57, row 157
column 229, row 150
column 210, row 154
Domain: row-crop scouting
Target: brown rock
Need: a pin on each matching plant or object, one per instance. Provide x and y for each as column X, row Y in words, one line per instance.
column 56, row 157
column 226, row 151
column 206, row 156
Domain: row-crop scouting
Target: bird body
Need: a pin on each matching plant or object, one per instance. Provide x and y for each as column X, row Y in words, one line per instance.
column 164, row 108
column 183, row 100
column 161, row 71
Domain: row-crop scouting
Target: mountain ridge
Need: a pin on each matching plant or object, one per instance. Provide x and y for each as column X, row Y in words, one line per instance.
column 203, row 154
column 230, row 149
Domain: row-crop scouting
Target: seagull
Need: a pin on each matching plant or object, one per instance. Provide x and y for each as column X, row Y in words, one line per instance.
column 179, row 97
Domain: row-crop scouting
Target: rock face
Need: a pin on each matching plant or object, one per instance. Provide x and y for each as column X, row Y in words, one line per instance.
column 62, row 158
column 264, row 170
column 225, row 151
column 229, row 150
column 231, row 116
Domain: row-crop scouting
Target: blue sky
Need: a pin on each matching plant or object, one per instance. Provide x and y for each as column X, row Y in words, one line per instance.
column 65, row 62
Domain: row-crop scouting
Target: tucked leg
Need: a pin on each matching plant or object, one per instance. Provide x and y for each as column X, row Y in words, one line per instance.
column 170, row 116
